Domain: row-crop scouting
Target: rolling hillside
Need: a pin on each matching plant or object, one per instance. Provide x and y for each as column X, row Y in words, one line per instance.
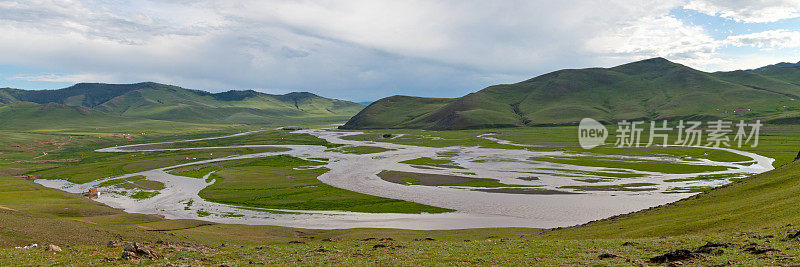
column 171, row 103
column 52, row 117
column 649, row 89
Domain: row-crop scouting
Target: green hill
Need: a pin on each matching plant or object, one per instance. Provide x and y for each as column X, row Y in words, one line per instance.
column 165, row 102
column 649, row 89
column 27, row 116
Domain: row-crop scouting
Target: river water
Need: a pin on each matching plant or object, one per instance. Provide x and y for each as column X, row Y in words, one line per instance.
column 474, row 209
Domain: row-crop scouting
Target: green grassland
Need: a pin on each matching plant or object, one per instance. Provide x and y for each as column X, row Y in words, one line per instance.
column 412, row 178
column 358, row 149
column 752, row 214
column 610, row 173
column 263, row 137
column 648, row 166
column 776, row 141
column 620, row 187
column 278, row 182
column 93, row 165
column 28, row 151
column 426, row 161
column 430, row 138
column 135, row 182
column 504, row 248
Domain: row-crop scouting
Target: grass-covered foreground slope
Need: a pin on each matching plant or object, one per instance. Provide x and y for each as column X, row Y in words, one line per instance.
column 767, row 200
column 171, row 103
column 648, row 89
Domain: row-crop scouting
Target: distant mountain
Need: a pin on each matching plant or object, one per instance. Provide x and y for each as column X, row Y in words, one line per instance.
column 649, row 89
column 171, row 103
column 782, row 64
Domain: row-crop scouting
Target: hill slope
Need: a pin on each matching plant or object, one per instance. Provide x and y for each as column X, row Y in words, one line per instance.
column 27, row 116
column 172, row 103
column 649, row 89
column 762, row 201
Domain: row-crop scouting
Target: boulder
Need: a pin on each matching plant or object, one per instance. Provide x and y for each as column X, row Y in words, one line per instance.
column 677, row 255
column 138, row 250
column 607, row 256
column 711, row 247
column 127, row 255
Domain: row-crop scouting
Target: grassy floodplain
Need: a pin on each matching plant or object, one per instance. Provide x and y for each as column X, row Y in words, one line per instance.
column 276, row 182
column 752, row 217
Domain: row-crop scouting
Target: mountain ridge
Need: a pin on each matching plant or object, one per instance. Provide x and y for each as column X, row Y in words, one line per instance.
column 654, row 88
column 156, row 101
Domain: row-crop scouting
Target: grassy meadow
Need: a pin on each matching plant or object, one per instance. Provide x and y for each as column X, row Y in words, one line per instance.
column 279, row 182
column 749, row 220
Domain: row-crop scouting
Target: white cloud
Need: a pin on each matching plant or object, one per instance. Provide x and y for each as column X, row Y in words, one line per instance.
column 71, row 78
column 766, row 39
column 746, row 61
column 663, row 36
column 756, row 11
column 361, row 49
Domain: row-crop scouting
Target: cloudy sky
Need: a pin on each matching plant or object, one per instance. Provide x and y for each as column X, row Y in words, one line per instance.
column 366, row 50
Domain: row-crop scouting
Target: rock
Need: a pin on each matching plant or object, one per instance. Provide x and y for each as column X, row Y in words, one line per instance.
column 711, row 247
column 52, row 247
column 607, row 256
column 629, row 243
column 705, row 250
column 677, row 255
column 296, row 242
column 368, row 239
column 327, row 240
column 424, row 239
column 380, row 246
column 387, row 239
column 138, row 250
column 756, row 250
column 28, row 246
column 793, row 236
column 127, row 255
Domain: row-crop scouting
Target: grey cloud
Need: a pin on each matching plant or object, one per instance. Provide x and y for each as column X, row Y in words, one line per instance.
column 360, row 50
